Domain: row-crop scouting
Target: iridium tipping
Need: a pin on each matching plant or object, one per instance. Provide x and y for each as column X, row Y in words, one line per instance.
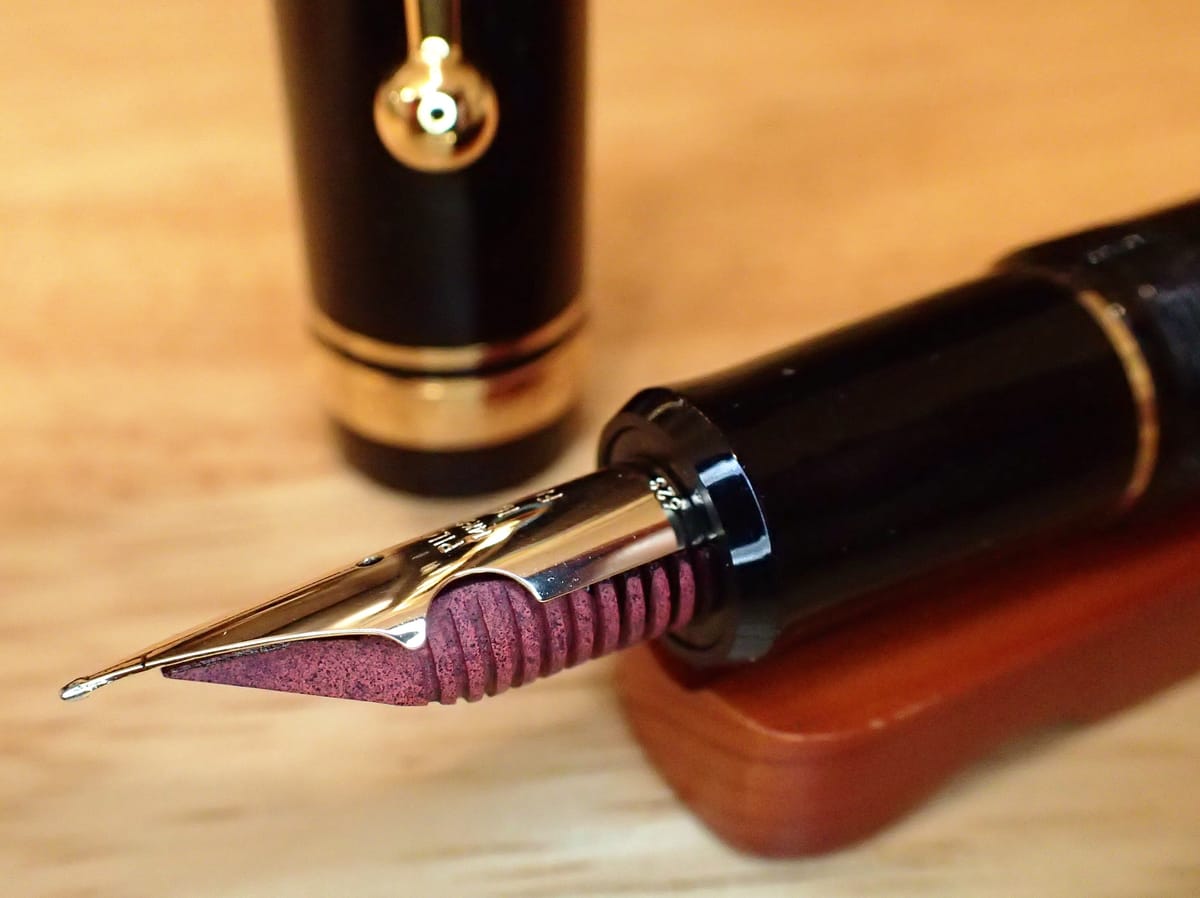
column 1112, row 319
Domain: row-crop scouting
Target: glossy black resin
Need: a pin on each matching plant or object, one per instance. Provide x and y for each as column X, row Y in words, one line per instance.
column 462, row 473
column 970, row 421
column 897, row 445
column 1151, row 266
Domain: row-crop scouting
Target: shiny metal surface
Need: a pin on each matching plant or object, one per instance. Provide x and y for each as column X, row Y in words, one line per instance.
column 445, row 359
column 1112, row 319
column 448, row 412
column 553, row 542
column 436, row 112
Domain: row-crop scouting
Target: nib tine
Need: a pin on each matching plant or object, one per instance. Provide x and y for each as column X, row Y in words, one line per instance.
column 82, row 687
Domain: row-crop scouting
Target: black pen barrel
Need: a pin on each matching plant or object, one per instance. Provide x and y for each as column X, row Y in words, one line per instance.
column 1059, row 390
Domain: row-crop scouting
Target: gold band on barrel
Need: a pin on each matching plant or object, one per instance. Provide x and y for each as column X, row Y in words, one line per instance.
column 1112, row 319
column 437, row 411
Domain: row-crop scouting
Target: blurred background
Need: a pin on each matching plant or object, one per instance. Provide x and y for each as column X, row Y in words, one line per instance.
column 758, row 172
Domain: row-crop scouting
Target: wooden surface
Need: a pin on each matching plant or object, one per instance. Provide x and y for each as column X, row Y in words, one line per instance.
column 823, row 744
column 759, row 171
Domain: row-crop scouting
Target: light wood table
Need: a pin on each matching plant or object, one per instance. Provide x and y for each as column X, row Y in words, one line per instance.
column 759, row 171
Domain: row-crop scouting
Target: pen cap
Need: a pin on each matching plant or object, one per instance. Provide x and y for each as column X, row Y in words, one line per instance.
column 439, row 149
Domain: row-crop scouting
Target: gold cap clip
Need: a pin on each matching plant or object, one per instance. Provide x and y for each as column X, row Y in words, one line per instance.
column 437, row 112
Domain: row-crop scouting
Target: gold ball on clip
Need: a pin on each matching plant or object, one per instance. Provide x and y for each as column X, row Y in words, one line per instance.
column 436, row 113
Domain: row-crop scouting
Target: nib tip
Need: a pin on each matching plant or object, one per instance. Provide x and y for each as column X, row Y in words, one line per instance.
column 78, row 688
column 82, row 686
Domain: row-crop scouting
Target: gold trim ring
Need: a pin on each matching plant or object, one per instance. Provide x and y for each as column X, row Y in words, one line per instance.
column 439, row 412
column 434, row 359
column 1113, row 320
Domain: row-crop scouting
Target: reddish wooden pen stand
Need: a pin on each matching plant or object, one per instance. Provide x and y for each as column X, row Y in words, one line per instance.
column 833, row 738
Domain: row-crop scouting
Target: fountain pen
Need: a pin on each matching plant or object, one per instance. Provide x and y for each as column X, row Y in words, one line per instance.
column 1059, row 391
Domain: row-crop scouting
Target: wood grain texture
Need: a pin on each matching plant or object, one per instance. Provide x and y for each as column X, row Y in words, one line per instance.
column 822, row 745
column 759, row 171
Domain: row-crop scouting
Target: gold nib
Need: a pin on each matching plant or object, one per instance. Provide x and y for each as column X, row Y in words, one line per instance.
column 552, row 543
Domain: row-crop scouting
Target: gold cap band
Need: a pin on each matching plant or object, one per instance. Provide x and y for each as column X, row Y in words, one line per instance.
column 438, row 359
column 432, row 412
